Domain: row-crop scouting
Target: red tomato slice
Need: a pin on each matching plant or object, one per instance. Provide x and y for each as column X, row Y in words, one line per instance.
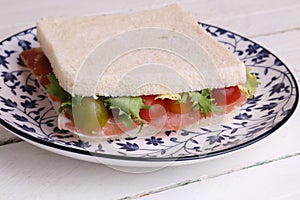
column 229, row 107
column 177, row 121
column 179, row 108
column 158, row 108
column 226, row 96
column 162, row 114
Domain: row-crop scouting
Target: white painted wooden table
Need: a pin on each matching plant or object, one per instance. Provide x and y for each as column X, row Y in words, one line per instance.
column 268, row 169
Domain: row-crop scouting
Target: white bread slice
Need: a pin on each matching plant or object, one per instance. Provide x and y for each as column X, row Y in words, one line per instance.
column 69, row 41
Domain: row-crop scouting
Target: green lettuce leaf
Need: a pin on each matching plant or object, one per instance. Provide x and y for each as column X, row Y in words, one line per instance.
column 251, row 84
column 128, row 109
column 202, row 101
column 71, row 102
column 56, row 90
column 65, row 104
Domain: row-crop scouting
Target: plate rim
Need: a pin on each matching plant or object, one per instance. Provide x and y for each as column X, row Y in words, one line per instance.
column 226, row 151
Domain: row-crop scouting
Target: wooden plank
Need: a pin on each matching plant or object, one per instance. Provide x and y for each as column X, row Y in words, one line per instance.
column 276, row 181
column 220, row 10
column 245, row 17
column 7, row 137
column 264, row 23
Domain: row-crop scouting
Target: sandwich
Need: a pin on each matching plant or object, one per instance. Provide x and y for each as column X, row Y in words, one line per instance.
column 111, row 75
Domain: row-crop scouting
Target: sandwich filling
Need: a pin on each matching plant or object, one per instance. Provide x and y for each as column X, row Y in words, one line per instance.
column 110, row 116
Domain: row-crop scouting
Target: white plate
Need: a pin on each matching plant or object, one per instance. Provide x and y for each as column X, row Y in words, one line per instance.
column 25, row 110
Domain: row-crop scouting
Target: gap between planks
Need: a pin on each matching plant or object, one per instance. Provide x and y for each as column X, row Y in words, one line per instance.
column 11, row 140
column 203, row 178
column 274, row 33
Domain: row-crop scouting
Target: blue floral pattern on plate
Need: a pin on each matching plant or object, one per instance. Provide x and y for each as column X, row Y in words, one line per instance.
column 26, row 111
